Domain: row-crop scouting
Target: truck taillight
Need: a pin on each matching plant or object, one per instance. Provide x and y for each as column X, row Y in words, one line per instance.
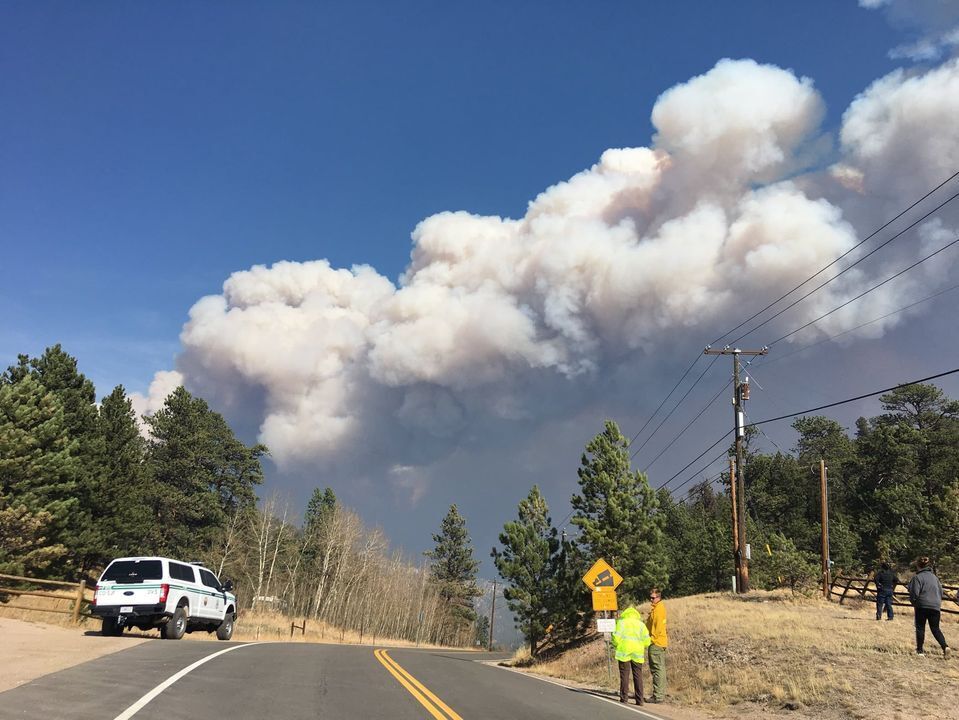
column 164, row 589
column 96, row 590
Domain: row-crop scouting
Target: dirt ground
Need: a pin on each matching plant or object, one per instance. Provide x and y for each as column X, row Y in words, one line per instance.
column 33, row 649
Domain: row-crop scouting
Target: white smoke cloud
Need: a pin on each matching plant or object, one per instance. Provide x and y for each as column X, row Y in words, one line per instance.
column 499, row 319
column 164, row 383
column 932, row 24
column 900, row 134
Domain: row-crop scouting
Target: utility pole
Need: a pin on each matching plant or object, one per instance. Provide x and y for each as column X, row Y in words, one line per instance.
column 492, row 616
column 740, row 395
column 824, row 502
column 735, row 510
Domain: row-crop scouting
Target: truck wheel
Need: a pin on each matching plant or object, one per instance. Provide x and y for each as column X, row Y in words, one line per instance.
column 110, row 627
column 174, row 628
column 225, row 630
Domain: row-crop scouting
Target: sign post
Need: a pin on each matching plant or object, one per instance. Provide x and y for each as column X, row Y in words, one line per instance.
column 603, row 580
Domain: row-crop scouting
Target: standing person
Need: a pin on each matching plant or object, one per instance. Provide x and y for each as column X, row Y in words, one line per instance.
column 886, row 581
column 630, row 640
column 925, row 594
column 656, row 623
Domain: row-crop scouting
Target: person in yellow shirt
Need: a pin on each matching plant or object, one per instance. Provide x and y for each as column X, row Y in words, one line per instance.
column 656, row 624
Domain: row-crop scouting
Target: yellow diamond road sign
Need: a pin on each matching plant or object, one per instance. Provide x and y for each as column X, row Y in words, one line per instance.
column 602, row 575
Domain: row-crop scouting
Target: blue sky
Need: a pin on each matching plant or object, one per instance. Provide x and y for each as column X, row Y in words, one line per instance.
column 150, row 150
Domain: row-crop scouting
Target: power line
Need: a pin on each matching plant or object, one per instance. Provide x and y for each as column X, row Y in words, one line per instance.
column 723, row 437
column 777, row 358
column 845, row 269
column 701, row 470
column 866, row 292
column 675, row 407
column 848, row 400
column 787, row 294
column 678, row 383
column 689, row 424
column 826, row 267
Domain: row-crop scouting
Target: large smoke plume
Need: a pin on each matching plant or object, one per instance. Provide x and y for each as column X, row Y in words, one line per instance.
column 500, row 320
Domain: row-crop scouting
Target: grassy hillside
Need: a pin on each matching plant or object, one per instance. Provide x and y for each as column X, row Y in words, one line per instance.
column 766, row 652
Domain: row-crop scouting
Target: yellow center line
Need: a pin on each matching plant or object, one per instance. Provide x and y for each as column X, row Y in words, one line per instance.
column 416, row 688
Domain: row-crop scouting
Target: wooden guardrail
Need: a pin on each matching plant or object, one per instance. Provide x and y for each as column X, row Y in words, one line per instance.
column 78, row 595
column 846, row 587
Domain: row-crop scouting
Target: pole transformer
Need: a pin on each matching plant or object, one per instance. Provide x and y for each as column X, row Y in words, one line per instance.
column 740, row 395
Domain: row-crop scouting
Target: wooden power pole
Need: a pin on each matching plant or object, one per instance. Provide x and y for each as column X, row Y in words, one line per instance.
column 492, row 617
column 740, row 395
column 824, row 503
column 735, row 509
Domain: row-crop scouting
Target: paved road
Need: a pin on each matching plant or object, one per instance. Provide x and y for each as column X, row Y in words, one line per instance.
column 290, row 681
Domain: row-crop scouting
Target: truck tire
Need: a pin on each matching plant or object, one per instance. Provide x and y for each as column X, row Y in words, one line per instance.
column 110, row 627
column 225, row 629
column 174, row 628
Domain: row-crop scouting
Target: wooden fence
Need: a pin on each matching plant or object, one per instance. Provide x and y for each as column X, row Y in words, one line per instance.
column 864, row 588
column 77, row 599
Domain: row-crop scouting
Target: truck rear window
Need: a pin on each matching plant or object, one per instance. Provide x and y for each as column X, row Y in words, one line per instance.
column 133, row 571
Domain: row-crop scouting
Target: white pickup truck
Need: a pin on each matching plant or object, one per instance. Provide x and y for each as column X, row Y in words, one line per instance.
column 157, row 592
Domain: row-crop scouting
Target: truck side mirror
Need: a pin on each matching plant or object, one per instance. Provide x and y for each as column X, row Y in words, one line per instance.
column 228, row 585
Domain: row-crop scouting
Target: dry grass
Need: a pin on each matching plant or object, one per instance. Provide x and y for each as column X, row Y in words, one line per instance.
column 766, row 651
column 265, row 625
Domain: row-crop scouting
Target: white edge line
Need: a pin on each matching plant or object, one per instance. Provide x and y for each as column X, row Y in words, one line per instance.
column 139, row 704
column 624, row 706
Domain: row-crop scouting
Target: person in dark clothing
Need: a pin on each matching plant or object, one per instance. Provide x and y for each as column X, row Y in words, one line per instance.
column 925, row 594
column 886, row 582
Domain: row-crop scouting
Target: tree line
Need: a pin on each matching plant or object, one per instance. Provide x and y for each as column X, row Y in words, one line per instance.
column 80, row 485
column 894, row 495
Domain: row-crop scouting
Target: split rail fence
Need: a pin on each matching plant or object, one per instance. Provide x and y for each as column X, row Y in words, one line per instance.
column 77, row 597
column 864, row 588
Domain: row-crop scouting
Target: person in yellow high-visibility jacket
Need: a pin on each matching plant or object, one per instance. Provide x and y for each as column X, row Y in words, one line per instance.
column 631, row 638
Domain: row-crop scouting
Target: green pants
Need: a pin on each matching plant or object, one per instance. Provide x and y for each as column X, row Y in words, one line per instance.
column 657, row 668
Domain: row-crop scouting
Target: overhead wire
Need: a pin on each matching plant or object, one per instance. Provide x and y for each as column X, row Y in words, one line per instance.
column 755, row 315
column 767, row 360
column 866, row 292
column 678, row 403
column 849, row 400
column 850, row 250
column 847, row 268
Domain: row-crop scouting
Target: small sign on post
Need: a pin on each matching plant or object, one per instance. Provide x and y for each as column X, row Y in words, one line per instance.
column 605, row 625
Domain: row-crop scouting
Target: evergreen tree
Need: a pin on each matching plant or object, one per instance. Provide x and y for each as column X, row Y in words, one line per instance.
column 320, row 508
column 698, row 541
column 527, row 563
column 124, row 514
column 200, row 474
column 618, row 513
column 57, row 372
column 454, row 567
column 38, row 470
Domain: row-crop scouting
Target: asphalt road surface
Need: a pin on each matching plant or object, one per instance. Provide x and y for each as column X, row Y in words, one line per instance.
column 290, row 681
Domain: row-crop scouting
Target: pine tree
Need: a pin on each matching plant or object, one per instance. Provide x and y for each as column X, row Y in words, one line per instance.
column 57, row 372
column 527, row 563
column 38, row 470
column 199, row 473
column 617, row 513
column 124, row 513
column 454, row 567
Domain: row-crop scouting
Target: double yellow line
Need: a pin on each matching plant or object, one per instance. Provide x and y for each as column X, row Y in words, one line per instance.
column 433, row 704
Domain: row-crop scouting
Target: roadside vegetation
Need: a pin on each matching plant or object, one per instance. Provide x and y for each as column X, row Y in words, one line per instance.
column 769, row 653
column 80, row 485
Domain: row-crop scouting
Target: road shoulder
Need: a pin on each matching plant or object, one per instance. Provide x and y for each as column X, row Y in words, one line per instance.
column 32, row 650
